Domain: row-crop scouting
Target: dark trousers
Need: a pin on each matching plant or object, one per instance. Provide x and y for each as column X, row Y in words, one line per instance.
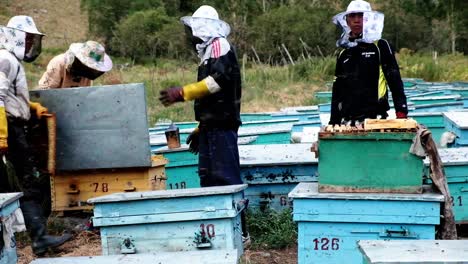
column 218, row 162
column 19, row 154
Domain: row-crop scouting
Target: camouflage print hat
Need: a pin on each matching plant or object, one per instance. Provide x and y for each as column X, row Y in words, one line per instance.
column 92, row 54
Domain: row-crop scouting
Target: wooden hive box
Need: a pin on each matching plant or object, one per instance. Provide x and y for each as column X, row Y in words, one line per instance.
column 272, row 171
column 197, row 257
column 171, row 220
column 433, row 121
column 369, row 161
column 70, row 190
column 455, row 163
column 9, row 203
column 457, row 122
column 414, row 252
column 330, row 224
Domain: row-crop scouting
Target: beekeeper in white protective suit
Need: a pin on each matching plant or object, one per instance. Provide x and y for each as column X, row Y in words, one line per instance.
column 21, row 41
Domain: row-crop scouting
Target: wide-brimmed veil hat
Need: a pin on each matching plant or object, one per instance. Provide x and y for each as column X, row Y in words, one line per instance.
column 24, row 23
column 205, row 23
column 92, row 54
column 13, row 36
column 373, row 22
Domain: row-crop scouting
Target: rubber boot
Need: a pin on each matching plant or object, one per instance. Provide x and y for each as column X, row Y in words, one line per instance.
column 36, row 224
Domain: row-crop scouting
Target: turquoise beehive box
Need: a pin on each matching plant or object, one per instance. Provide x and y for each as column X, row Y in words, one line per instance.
column 457, row 123
column 195, row 257
column 414, row 252
column 272, row 171
column 171, row 220
column 9, row 203
column 330, row 224
column 434, row 121
column 455, row 163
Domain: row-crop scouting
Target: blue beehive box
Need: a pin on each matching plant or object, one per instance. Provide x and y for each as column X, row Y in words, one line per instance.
column 272, row 171
column 414, row 251
column 171, row 220
column 330, row 224
column 434, row 121
column 457, row 122
column 9, row 203
column 455, row 162
column 195, row 257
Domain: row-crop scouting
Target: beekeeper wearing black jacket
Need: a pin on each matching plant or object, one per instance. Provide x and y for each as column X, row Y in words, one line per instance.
column 217, row 95
column 364, row 69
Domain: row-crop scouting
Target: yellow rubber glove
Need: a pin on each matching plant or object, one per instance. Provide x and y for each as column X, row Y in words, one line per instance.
column 3, row 131
column 39, row 109
column 195, row 90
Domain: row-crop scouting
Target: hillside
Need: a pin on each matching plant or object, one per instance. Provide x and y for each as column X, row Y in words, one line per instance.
column 62, row 21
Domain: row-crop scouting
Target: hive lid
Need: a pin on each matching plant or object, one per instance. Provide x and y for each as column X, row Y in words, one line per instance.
column 452, row 156
column 459, row 118
column 8, row 198
column 205, row 257
column 121, row 197
column 416, row 251
column 309, row 190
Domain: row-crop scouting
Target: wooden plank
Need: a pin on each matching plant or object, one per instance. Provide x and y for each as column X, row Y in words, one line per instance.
column 51, row 122
column 198, row 257
column 416, row 251
column 375, row 124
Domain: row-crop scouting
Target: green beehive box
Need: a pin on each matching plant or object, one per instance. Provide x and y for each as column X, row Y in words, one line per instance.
column 369, row 162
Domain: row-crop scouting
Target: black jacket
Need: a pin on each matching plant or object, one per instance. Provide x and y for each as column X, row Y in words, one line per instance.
column 355, row 90
column 220, row 109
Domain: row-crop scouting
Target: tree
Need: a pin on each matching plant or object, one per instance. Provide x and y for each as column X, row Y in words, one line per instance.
column 142, row 35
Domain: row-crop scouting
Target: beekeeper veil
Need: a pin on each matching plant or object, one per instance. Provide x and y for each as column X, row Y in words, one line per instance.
column 21, row 38
column 373, row 23
column 206, row 26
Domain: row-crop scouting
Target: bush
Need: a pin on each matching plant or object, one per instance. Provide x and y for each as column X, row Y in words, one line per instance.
column 145, row 35
column 294, row 27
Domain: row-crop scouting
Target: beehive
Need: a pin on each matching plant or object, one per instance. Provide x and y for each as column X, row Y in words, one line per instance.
column 455, row 163
column 457, row 123
column 171, row 220
column 70, row 190
column 414, row 252
column 272, row 171
column 370, row 159
column 205, row 257
column 9, row 203
column 330, row 224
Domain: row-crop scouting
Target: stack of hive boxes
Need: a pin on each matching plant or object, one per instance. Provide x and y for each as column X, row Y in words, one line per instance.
column 98, row 149
column 370, row 188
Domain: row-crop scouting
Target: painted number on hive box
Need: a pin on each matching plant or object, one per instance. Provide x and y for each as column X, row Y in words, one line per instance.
column 326, row 244
column 104, row 187
column 208, row 230
column 456, row 201
column 177, row 185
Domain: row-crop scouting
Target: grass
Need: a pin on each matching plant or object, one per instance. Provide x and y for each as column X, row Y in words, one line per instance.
column 271, row 229
column 265, row 88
